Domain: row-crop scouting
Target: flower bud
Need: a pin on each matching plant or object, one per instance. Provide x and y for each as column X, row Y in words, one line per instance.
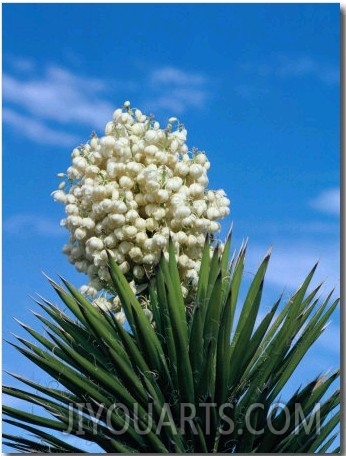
column 126, row 182
column 148, row 313
column 162, row 196
column 80, row 234
column 196, row 170
column 110, row 241
column 159, row 241
column 125, row 247
column 108, row 142
column 108, row 130
column 60, row 196
column 136, row 254
column 124, row 267
column 138, row 272
column 174, row 183
column 120, row 316
column 182, row 212
column 159, row 213
column 95, row 243
column 152, row 136
column 181, row 169
column 213, row 213
column 117, row 220
column 103, row 304
column 196, row 190
column 151, row 224
column 140, row 223
column 129, row 231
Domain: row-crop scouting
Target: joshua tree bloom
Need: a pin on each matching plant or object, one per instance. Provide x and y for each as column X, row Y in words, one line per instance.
column 138, row 209
column 131, row 189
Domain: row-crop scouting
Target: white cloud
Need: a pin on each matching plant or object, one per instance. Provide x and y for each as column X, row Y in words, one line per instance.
column 307, row 66
column 328, row 201
column 296, row 67
column 192, row 96
column 291, row 262
column 176, row 90
column 275, row 228
column 30, row 224
column 288, row 267
column 56, row 99
column 49, row 106
column 36, row 130
column 178, row 100
column 22, row 64
column 282, row 66
column 172, row 75
column 59, row 96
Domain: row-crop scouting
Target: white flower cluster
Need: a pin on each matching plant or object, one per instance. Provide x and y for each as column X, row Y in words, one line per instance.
column 128, row 191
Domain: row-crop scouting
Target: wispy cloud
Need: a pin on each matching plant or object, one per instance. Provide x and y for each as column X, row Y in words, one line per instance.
column 327, row 201
column 288, row 267
column 22, row 63
column 287, row 67
column 290, row 228
column 306, row 66
column 58, row 95
column 291, row 262
column 173, row 75
column 179, row 100
column 177, row 90
column 32, row 224
column 37, row 130
column 49, row 104
column 51, row 100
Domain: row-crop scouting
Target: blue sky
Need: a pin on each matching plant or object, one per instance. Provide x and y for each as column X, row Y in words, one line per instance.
column 257, row 87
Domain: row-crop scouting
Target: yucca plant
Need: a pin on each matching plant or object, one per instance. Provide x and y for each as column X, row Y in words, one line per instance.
column 200, row 378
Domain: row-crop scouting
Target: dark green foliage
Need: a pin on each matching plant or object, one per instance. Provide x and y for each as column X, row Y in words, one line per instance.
column 196, row 355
